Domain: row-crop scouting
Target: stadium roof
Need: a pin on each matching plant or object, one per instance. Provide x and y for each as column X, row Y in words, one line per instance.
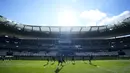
column 50, row 29
column 86, row 31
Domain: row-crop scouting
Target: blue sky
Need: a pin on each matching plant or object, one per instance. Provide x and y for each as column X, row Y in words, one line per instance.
column 63, row 12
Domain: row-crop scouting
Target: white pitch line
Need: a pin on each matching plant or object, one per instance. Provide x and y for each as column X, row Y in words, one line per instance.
column 126, row 68
column 106, row 69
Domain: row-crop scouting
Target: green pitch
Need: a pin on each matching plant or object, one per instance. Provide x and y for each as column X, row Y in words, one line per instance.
column 32, row 66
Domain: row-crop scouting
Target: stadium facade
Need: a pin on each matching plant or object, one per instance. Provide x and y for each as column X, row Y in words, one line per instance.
column 22, row 40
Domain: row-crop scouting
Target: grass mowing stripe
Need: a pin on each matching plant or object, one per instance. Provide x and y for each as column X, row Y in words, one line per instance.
column 106, row 69
column 30, row 66
column 126, row 69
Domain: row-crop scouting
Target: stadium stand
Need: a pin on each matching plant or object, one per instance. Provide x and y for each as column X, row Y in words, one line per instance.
column 23, row 40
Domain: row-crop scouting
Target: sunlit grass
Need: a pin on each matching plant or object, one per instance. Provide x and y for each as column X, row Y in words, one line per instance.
column 37, row 66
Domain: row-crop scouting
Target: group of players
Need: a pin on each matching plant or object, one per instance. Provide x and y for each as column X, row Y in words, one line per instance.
column 62, row 59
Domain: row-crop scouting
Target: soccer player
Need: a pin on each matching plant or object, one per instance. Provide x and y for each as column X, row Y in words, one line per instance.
column 53, row 59
column 3, row 58
column 60, row 61
column 90, row 58
column 83, row 58
column 63, row 59
column 73, row 59
column 121, row 53
column 47, row 61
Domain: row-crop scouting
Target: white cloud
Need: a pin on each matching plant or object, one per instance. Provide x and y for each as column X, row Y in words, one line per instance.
column 67, row 18
column 92, row 16
column 96, row 17
column 115, row 19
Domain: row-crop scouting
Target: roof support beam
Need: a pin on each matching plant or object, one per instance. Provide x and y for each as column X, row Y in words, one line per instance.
column 24, row 27
column 80, row 29
column 49, row 29
column 40, row 29
column 115, row 25
column 60, row 30
column 32, row 28
column 90, row 28
column 15, row 25
column 106, row 28
column 71, row 29
column 98, row 28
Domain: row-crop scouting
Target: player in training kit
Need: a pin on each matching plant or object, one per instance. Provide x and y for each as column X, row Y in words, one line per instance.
column 90, row 59
column 60, row 61
column 53, row 59
column 83, row 58
column 47, row 61
column 73, row 59
column 63, row 59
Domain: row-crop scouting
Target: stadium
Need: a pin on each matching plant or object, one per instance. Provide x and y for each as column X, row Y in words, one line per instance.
column 64, row 49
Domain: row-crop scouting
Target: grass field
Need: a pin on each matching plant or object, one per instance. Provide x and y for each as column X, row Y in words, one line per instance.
column 35, row 66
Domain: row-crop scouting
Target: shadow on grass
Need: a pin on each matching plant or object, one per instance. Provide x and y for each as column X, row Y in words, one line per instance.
column 73, row 63
column 85, row 62
column 46, row 64
column 93, row 64
column 53, row 63
column 59, row 69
